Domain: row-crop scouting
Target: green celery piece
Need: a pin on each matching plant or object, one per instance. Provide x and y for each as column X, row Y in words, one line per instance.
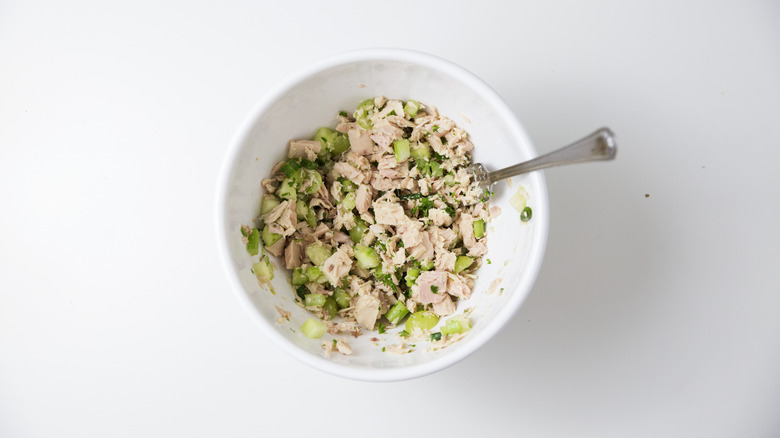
column 270, row 238
column 461, row 263
column 314, row 300
column 253, row 242
column 313, row 328
column 342, row 298
column 424, row 320
column 397, row 313
column 401, row 149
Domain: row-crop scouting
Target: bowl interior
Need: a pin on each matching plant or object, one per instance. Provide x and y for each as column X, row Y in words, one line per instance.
column 313, row 99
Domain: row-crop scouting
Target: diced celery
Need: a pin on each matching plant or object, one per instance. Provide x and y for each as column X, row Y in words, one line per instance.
column 401, row 149
column 362, row 114
column 427, row 266
column 287, row 190
column 317, row 253
column 330, row 307
column 314, row 328
column 342, row 298
column 298, row 277
column 422, row 150
column 263, row 270
column 348, row 202
column 479, row 228
column 311, row 219
column 436, row 170
column 456, row 324
column 412, row 107
column 461, row 263
column 311, row 300
column 301, row 209
column 316, row 181
column 449, row 180
column 366, row 257
column 357, row 232
column 397, row 313
column 411, row 276
column 315, row 275
column 253, row 242
column 519, row 199
column 270, row 238
column 348, row 186
column 340, row 143
column 424, row 320
column 268, row 203
column 325, row 136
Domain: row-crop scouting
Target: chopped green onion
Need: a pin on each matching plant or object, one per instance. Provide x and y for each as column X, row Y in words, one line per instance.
column 380, row 328
column 311, row 165
column 343, row 113
column 435, row 289
column 291, row 168
column 313, row 328
column 436, row 336
column 410, row 196
column 253, row 242
column 525, row 216
column 401, row 149
column 461, row 263
column 423, row 320
column 301, row 291
column 479, row 228
column 314, row 300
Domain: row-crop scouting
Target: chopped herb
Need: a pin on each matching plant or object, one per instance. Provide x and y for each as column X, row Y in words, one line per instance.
column 436, row 336
column 388, row 280
column 380, row 328
column 403, row 333
column 502, row 289
column 435, row 128
column 486, row 196
column 301, row 291
column 391, row 113
column 410, row 196
column 435, row 289
column 324, row 140
column 383, row 349
column 488, row 261
column 525, row 216
column 400, row 243
column 311, row 165
column 343, row 113
column 334, row 342
column 438, row 157
column 450, row 211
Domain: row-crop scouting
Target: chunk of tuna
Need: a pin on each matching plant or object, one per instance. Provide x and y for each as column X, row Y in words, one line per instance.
column 387, row 213
column 360, row 142
column 432, row 287
column 304, row 149
column 367, row 310
column 338, row 265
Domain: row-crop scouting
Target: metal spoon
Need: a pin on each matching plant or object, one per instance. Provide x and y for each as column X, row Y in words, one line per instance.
column 600, row 145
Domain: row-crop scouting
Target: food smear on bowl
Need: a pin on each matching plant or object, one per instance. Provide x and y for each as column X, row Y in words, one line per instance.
column 379, row 223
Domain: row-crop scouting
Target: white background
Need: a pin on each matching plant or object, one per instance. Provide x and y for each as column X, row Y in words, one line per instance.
column 652, row 316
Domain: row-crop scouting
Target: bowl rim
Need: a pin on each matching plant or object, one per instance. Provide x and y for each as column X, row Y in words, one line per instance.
column 503, row 316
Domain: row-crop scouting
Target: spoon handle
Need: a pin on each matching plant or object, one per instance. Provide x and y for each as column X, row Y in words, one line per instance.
column 600, row 145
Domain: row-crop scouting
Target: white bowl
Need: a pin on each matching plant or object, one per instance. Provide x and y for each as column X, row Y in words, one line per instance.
column 312, row 98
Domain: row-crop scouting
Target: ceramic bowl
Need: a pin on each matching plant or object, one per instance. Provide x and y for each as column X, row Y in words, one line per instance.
column 312, row 98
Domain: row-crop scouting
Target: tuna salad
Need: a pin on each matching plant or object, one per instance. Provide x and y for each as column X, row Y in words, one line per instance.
column 378, row 221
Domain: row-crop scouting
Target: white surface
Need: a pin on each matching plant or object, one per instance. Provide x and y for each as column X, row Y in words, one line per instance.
column 651, row 316
column 312, row 98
